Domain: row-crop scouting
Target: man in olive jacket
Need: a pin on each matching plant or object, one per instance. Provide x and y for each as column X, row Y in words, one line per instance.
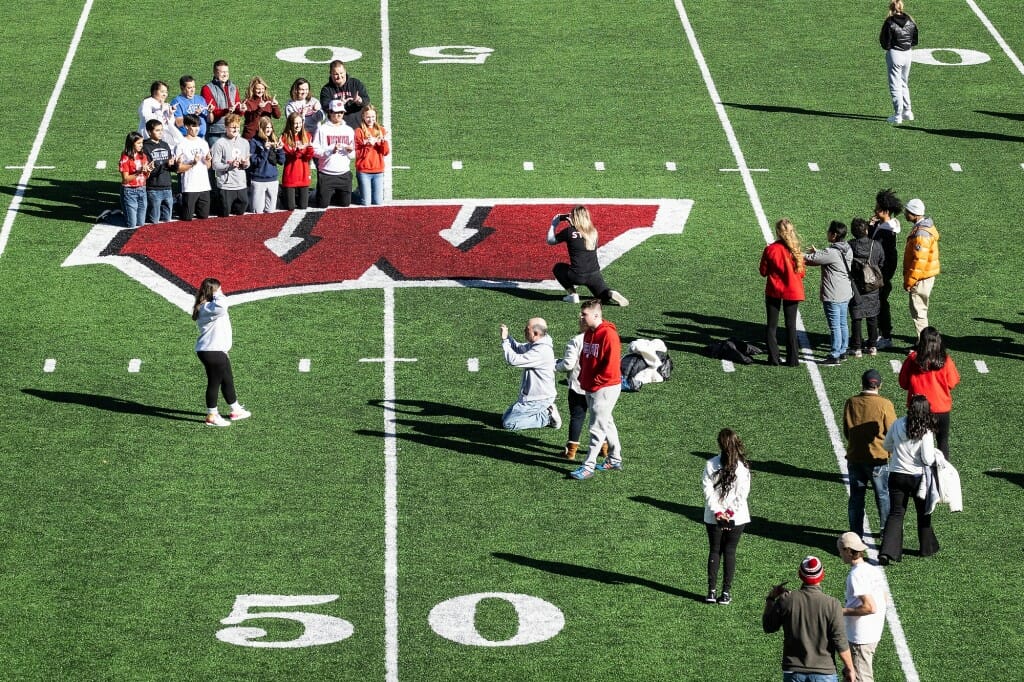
column 866, row 419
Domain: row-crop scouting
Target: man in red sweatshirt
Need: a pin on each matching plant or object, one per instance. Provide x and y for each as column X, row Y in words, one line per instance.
column 601, row 378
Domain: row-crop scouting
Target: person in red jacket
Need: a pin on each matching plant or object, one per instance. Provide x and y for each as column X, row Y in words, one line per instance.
column 782, row 263
column 601, row 378
column 298, row 150
column 930, row 371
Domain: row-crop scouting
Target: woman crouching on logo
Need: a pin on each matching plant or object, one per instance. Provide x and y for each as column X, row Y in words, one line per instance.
column 210, row 313
column 583, row 268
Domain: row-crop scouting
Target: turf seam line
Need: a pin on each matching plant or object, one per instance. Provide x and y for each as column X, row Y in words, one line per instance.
column 44, row 126
column 895, row 626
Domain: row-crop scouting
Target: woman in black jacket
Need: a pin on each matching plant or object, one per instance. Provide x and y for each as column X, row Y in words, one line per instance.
column 866, row 251
column 899, row 34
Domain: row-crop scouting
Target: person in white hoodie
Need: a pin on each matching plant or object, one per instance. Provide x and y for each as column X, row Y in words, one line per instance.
column 535, row 407
column 334, row 146
column 726, row 484
column 210, row 312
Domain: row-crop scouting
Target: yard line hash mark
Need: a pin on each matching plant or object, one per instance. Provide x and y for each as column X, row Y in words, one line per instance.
column 304, row 365
column 813, row 167
column 473, row 364
column 456, row 165
column 895, row 364
column 670, row 165
column 599, row 165
column 727, row 366
column 49, row 365
column 134, row 365
column 981, row 366
column 527, row 165
column 955, row 167
column 884, row 167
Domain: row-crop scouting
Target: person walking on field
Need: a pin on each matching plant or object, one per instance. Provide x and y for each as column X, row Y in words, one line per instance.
column 898, row 36
column 210, row 312
column 920, row 262
column 867, row 418
column 726, row 483
column 601, row 378
column 864, row 609
column 583, row 268
column 782, row 263
column 930, row 371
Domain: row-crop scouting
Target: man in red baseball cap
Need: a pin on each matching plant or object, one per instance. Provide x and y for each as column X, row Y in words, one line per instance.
column 813, row 628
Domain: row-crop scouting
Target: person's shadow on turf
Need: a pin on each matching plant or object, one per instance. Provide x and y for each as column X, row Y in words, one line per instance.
column 112, row 404
column 473, row 434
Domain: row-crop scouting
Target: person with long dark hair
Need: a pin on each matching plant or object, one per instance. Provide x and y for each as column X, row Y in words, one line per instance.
column 782, row 264
column 135, row 168
column 930, row 371
column 912, row 447
column 726, row 484
column 868, row 305
column 210, row 312
column 583, row 268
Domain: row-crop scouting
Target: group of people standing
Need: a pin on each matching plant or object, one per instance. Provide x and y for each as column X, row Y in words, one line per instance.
column 232, row 135
column 856, row 279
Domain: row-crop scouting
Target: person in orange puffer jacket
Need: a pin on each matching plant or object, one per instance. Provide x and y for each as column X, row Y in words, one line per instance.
column 920, row 262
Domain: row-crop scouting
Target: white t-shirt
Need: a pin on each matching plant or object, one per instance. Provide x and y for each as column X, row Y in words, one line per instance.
column 865, row 578
column 196, row 178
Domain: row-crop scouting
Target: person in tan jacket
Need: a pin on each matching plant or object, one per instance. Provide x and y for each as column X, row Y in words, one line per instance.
column 866, row 419
column 920, row 262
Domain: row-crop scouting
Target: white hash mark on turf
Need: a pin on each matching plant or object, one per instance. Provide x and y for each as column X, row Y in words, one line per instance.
column 813, row 167
column 599, row 165
column 101, row 164
column 981, row 366
column 955, row 167
column 884, row 167
column 896, row 365
column 895, row 626
column 670, row 165
column 50, row 365
column 527, row 165
column 473, row 364
column 44, row 125
column 304, row 365
column 134, row 365
column 456, row 165
column 727, row 366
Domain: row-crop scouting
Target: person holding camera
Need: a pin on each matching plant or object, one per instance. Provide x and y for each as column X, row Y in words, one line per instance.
column 726, row 484
column 583, row 268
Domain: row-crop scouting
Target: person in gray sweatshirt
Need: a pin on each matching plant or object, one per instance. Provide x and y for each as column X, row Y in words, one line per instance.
column 836, row 289
column 230, row 159
column 535, row 407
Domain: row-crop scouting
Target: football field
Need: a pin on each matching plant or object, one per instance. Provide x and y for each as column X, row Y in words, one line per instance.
column 372, row 521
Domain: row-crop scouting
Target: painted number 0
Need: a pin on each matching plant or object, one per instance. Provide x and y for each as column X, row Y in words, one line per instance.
column 453, row 619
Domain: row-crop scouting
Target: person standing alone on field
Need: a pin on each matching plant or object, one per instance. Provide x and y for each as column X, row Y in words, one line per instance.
column 813, row 628
column 601, row 378
column 210, row 312
column 535, row 407
column 726, row 484
column 884, row 226
column 920, row 262
column 898, row 36
column 867, row 418
column 864, row 609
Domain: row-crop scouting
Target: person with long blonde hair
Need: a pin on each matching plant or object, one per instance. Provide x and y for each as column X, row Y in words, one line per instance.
column 210, row 313
column 258, row 103
column 265, row 155
column 782, row 263
column 583, row 268
column 372, row 144
column 898, row 37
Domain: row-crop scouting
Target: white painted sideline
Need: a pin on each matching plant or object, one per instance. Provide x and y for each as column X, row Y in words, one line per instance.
column 895, row 626
column 385, row 95
column 44, row 126
column 390, row 494
column 995, row 34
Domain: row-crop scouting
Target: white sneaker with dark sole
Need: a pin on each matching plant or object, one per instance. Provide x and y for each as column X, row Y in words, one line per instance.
column 240, row 413
column 216, row 420
column 619, row 298
column 555, row 419
column 571, row 298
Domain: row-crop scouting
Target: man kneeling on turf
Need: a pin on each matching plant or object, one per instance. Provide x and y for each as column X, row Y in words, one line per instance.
column 536, row 356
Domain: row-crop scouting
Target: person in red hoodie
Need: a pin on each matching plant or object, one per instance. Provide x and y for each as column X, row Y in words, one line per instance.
column 782, row 263
column 930, row 371
column 372, row 144
column 298, row 150
column 601, row 379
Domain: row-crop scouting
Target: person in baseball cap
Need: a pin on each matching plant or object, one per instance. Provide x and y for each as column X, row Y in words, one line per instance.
column 864, row 608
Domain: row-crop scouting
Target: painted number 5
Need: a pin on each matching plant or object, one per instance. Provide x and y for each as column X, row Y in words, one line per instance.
column 452, row 54
column 318, row 628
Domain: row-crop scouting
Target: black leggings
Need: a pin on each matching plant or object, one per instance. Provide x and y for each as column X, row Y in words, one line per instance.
column 218, row 377
column 296, row 197
column 789, row 309
column 569, row 279
column 722, row 542
column 577, row 415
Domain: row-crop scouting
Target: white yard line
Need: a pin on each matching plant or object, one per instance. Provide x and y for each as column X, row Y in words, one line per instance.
column 390, row 495
column 44, row 126
column 895, row 626
column 385, row 94
column 995, row 34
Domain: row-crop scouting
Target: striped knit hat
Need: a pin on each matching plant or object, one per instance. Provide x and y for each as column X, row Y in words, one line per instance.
column 812, row 570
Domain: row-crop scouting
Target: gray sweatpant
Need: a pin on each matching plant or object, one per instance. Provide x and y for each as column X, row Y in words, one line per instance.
column 898, row 62
column 602, row 425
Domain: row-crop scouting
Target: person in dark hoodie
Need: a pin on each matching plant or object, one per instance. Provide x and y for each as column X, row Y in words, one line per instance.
column 349, row 90
column 898, row 36
column 884, row 226
column 866, row 306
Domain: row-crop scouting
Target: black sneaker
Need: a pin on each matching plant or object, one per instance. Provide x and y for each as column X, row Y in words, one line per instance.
column 831, row 361
column 726, row 598
column 712, row 596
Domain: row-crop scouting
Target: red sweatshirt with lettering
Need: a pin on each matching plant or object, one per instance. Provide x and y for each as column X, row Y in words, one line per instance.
column 600, row 358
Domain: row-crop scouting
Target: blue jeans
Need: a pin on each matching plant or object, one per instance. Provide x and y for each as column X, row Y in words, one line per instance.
column 133, row 203
column 371, row 186
column 532, row 414
column 160, row 202
column 809, row 677
column 860, row 476
column 835, row 313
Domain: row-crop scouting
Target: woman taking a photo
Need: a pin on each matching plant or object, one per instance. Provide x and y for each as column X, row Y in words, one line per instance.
column 782, row 263
column 836, row 288
column 931, row 372
column 210, row 313
column 912, row 446
column 726, row 484
column 583, row 268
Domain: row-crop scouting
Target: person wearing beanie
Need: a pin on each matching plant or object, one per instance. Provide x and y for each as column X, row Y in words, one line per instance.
column 812, row 625
column 867, row 417
column 920, row 262
column 864, row 609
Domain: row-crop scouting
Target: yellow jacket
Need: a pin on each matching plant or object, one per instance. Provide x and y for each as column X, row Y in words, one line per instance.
column 921, row 257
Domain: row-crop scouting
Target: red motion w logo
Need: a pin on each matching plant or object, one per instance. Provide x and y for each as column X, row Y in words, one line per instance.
column 478, row 243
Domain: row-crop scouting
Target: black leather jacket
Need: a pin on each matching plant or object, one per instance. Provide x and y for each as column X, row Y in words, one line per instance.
column 899, row 32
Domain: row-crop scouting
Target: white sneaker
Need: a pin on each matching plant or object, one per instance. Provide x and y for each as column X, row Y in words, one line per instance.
column 216, row 420
column 555, row 421
column 240, row 413
column 572, row 298
column 619, row 298
column 894, row 119
column 908, row 116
